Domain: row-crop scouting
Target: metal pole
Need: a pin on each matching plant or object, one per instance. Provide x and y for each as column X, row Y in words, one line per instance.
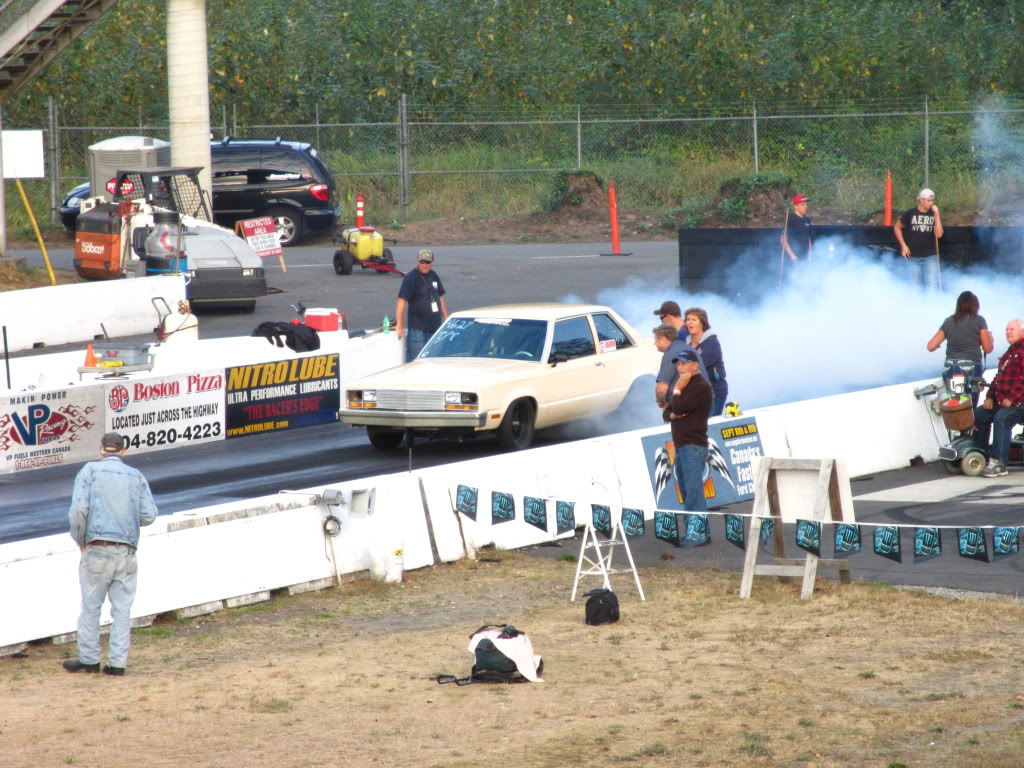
column 224, row 120
column 404, row 186
column 140, row 118
column 319, row 144
column 926, row 132
column 757, row 160
column 3, row 193
column 52, row 157
column 234, row 119
column 7, row 362
column 579, row 139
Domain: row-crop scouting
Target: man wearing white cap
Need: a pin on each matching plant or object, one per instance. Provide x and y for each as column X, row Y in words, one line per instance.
column 918, row 232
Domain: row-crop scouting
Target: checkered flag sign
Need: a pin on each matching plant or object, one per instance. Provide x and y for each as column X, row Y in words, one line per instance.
column 662, row 472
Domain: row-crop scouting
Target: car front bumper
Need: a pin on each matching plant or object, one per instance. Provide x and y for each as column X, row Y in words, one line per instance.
column 371, row 417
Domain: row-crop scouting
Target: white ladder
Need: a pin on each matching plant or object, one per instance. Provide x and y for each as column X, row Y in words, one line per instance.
column 599, row 563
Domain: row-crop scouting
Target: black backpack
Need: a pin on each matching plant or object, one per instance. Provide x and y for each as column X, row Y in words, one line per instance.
column 492, row 666
column 602, row 607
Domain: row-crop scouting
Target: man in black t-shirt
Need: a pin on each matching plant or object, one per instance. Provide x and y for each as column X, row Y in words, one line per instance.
column 918, row 232
column 423, row 295
column 796, row 237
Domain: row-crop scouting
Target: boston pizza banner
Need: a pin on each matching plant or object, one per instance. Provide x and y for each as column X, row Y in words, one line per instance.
column 167, row 411
column 728, row 475
column 45, row 428
column 282, row 394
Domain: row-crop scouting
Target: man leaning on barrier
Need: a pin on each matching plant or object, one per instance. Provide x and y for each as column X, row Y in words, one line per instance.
column 110, row 502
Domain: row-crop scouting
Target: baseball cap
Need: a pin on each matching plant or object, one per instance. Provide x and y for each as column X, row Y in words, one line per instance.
column 686, row 356
column 425, row 255
column 797, row 199
column 669, row 308
column 926, row 194
column 112, row 442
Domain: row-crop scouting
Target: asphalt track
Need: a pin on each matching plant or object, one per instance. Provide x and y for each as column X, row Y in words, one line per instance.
column 35, row 503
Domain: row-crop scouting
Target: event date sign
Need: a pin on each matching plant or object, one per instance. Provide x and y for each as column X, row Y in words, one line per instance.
column 261, row 234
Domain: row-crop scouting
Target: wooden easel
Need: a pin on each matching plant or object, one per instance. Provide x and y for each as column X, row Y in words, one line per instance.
column 600, row 563
column 766, row 503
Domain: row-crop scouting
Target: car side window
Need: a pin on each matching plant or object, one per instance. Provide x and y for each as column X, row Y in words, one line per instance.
column 609, row 330
column 234, row 166
column 573, row 338
column 284, row 166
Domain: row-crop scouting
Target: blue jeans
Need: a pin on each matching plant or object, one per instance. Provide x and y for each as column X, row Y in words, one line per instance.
column 1001, row 421
column 106, row 572
column 924, row 272
column 717, row 405
column 415, row 341
column 690, row 463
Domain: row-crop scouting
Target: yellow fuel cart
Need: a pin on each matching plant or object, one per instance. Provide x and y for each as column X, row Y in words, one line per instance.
column 363, row 246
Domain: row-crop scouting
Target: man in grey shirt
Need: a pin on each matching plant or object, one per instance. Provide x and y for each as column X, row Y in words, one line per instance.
column 110, row 502
column 666, row 339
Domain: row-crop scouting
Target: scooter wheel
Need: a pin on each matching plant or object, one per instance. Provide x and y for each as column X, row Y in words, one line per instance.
column 953, row 467
column 973, row 463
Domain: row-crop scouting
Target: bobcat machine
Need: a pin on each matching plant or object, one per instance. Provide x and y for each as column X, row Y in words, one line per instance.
column 160, row 223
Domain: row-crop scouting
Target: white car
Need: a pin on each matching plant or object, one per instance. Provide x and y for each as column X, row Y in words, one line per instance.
column 506, row 370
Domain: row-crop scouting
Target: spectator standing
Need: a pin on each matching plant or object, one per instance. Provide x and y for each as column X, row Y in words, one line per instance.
column 669, row 312
column 796, row 234
column 667, row 341
column 705, row 341
column 918, row 232
column 109, row 503
column 967, row 338
column 688, row 415
column 422, row 293
column 1004, row 403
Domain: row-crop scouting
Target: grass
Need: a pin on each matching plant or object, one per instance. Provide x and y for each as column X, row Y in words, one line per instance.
column 771, row 681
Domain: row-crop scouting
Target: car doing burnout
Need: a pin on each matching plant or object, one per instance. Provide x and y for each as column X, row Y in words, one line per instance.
column 505, row 370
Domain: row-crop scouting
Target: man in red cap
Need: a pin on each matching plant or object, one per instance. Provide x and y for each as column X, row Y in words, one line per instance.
column 796, row 236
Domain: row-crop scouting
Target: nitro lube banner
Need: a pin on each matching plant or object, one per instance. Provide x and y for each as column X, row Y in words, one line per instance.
column 172, row 410
column 42, row 429
column 267, row 397
column 728, row 474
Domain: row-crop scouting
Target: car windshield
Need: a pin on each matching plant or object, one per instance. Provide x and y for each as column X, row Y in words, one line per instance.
column 490, row 337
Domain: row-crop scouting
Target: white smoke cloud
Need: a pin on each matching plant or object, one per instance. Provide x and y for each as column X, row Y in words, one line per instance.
column 842, row 322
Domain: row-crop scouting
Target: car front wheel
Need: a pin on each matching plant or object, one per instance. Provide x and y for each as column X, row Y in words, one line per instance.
column 384, row 439
column 516, row 430
column 289, row 225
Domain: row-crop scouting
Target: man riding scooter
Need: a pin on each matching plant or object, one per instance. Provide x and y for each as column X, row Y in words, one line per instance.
column 1003, row 407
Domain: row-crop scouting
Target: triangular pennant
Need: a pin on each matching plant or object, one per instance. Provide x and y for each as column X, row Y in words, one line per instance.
column 535, row 512
column 503, row 507
column 465, row 501
column 971, row 542
column 734, row 531
column 666, row 527
column 602, row 518
column 633, row 522
column 808, row 536
column 927, row 544
column 1005, row 541
column 887, row 542
column 698, row 534
column 767, row 530
column 847, row 539
column 565, row 516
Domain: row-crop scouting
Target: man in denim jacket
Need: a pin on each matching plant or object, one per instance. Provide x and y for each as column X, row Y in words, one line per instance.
column 110, row 502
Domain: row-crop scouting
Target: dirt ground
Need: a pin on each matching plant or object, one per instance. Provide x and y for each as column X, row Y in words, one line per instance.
column 863, row 675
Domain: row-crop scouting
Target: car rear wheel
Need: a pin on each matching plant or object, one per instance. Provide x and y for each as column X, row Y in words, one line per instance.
column 343, row 262
column 384, row 439
column 289, row 225
column 516, row 430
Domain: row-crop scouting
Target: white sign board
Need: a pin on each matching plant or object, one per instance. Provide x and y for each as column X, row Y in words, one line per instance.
column 23, row 155
column 44, row 428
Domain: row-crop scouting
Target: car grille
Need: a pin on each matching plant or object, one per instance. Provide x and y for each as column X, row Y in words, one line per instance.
column 410, row 400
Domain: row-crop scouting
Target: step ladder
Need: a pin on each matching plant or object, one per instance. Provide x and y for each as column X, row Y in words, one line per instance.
column 596, row 557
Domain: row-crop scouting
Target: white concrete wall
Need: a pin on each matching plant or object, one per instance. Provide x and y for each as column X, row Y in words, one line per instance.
column 244, row 549
column 64, row 314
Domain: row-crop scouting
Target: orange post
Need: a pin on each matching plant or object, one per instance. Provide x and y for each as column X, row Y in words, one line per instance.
column 360, row 217
column 888, row 197
column 613, row 215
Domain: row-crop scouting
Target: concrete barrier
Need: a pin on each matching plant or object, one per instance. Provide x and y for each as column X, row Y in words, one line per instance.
column 208, row 558
column 64, row 314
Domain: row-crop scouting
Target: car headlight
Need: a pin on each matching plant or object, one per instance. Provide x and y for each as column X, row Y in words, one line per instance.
column 248, row 272
column 370, row 395
column 461, row 401
column 361, row 398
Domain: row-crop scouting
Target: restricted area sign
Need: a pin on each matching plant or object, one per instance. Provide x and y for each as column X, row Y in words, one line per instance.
column 261, row 234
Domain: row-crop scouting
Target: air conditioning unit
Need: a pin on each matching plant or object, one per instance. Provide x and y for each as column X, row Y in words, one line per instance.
column 107, row 157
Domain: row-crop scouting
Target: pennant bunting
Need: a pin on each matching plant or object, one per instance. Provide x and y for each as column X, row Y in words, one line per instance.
column 565, row 516
column 808, row 536
column 927, row 544
column 734, row 531
column 535, row 512
column 666, row 527
column 887, row 542
column 465, row 501
column 971, row 542
column 767, row 530
column 698, row 532
column 602, row 517
column 1005, row 541
column 633, row 522
column 503, row 507
column 847, row 539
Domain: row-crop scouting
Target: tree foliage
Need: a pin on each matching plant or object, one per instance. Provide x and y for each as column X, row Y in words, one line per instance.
column 276, row 60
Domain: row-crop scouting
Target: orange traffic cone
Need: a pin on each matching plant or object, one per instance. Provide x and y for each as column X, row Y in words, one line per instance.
column 90, row 358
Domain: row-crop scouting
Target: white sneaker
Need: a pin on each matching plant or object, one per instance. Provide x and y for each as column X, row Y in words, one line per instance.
column 995, row 468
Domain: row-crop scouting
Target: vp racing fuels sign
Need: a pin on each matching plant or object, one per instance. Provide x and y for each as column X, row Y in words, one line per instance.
column 167, row 411
column 42, row 429
column 267, row 397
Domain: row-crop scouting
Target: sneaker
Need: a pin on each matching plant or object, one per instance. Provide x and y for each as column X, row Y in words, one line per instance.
column 109, row 670
column 74, row 665
column 994, row 469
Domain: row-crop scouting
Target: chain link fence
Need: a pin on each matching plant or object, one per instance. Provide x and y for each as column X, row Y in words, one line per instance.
column 495, row 163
